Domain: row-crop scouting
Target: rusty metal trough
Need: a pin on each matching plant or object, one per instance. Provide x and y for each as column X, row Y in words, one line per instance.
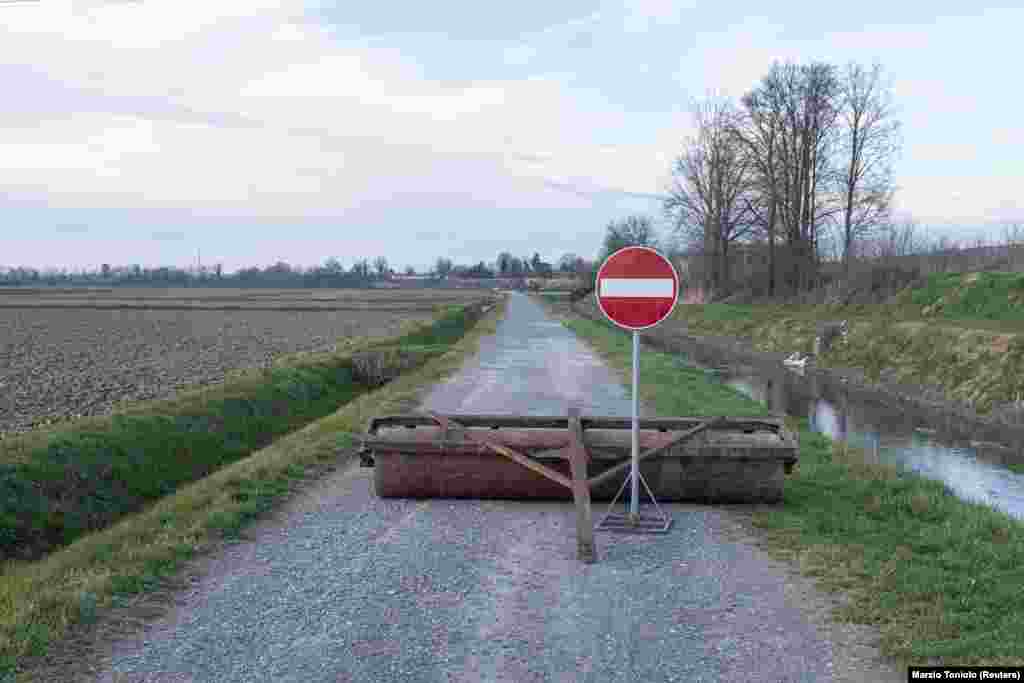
column 711, row 460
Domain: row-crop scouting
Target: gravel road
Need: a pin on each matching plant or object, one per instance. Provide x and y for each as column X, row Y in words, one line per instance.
column 342, row 586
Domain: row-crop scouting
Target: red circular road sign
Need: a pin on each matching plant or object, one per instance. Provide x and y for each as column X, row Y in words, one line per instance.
column 637, row 288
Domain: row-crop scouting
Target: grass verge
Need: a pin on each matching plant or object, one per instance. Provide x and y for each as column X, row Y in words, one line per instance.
column 977, row 362
column 42, row 602
column 57, row 485
column 941, row 578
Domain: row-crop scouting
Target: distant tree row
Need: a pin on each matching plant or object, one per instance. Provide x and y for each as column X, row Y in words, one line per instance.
column 280, row 274
column 331, row 273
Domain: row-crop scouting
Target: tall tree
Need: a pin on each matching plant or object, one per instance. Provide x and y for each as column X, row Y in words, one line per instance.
column 570, row 263
column 636, row 230
column 869, row 144
column 504, row 262
column 443, row 267
column 760, row 131
column 710, row 180
column 380, row 264
column 809, row 95
column 361, row 268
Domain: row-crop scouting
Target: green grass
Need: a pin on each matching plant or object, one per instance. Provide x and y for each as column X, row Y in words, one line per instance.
column 983, row 300
column 978, row 296
column 940, row 578
column 553, row 296
column 82, row 477
column 727, row 312
column 688, row 393
column 963, row 333
column 64, row 597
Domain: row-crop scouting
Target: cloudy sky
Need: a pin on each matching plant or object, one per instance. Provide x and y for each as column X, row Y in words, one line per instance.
column 257, row 130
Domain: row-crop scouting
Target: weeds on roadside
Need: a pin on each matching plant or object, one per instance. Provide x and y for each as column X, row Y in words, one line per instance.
column 84, row 477
column 940, row 577
column 43, row 601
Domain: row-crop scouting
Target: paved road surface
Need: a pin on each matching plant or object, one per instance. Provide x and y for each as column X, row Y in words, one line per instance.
column 532, row 365
column 343, row 586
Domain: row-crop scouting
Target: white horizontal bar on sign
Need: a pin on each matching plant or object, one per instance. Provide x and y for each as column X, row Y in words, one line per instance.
column 637, row 287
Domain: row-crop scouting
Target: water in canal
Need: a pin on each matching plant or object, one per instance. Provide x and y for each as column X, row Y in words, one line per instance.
column 898, row 435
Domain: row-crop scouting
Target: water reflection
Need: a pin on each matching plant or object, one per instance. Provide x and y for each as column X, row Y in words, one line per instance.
column 892, row 434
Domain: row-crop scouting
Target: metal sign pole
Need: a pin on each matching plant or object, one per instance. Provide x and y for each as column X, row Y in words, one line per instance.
column 636, row 289
column 634, row 491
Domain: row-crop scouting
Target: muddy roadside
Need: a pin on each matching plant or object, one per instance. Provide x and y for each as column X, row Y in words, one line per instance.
column 929, row 402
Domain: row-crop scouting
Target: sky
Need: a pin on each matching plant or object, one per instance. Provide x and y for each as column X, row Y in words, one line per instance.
column 246, row 132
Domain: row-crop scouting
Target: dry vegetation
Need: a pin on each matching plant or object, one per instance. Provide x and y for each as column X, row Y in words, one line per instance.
column 65, row 353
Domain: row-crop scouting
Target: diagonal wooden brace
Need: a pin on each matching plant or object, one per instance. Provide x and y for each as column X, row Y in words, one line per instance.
column 624, row 465
column 578, row 457
column 523, row 460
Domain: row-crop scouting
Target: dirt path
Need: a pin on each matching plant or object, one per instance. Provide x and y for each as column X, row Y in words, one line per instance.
column 343, row 586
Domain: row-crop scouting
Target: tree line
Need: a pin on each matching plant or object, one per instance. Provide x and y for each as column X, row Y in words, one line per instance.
column 801, row 166
column 362, row 273
column 801, row 163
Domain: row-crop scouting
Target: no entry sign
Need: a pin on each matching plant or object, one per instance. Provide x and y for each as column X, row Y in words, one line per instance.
column 637, row 288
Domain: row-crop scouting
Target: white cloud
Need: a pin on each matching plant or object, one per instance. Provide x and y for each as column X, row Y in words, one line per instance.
column 131, row 25
column 331, row 125
column 241, row 105
column 351, row 77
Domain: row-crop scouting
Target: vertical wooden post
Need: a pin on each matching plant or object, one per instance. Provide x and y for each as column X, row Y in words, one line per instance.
column 586, row 551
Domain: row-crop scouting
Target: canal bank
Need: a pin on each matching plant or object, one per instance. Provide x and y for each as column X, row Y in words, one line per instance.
column 911, row 427
column 940, row 577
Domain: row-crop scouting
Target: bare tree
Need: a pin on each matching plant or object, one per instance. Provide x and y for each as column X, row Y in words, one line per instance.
column 869, row 144
column 761, row 131
column 810, row 113
column 891, row 240
column 380, row 264
column 710, row 179
column 1013, row 232
column 504, row 262
column 634, row 230
column 443, row 267
column 568, row 263
column 361, row 268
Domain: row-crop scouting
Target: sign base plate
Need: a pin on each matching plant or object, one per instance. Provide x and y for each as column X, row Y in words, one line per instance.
column 644, row 524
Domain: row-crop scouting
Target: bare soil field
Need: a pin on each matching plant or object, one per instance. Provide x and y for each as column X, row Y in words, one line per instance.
column 97, row 348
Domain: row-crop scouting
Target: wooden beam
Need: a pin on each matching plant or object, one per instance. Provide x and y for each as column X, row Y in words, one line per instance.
column 585, row 549
column 523, row 460
column 773, row 424
column 621, row 467
column 530, row 464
